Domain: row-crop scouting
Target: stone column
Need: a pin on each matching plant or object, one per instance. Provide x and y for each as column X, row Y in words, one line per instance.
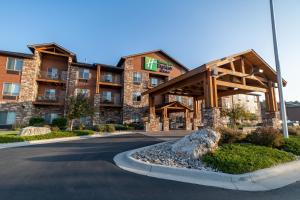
column 212, row 118
column 272, row 119
column 96, row 117
column 166, row 125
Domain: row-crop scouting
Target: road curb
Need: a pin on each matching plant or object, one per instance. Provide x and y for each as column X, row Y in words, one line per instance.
column 55, row 140
column 260, row 180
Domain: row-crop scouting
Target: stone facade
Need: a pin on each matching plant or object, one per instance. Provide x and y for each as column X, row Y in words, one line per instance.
column 272, row 119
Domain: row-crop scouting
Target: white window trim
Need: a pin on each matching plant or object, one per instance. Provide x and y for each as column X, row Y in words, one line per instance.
column 89, row 76
column 15, row 62
column 11, row 93
column 133, row 95
column 140, row 75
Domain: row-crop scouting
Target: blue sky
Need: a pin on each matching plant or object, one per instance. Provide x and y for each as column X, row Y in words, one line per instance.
column 192, row 31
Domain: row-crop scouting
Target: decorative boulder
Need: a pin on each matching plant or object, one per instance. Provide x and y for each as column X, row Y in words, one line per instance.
column 197, row 144
column 31, row 130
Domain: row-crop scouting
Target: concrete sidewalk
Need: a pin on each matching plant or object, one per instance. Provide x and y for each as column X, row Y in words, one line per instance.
column 260, row 180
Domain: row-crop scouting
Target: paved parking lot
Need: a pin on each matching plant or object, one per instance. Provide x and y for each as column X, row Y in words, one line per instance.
column 84, row 169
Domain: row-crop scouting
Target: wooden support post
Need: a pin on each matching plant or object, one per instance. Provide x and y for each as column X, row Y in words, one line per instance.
column 267, row 101
column 243, row 71
column 208, row 90
column 215, row 91
column 272, row 98
column 232, row 66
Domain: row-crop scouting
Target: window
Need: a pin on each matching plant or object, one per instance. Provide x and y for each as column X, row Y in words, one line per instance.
column 136, row 96
column 154, row 82
column 107, row 77
column 11, row 89
column 137, row 77
column 52, row 73
column 84, row 74
column 7, row 118
column 178, row 98
column 107, row 96
column 14, row 64
column 83, row 91
column 84, row 120
column 135, row 118
column 49, row 117
column 50, row 94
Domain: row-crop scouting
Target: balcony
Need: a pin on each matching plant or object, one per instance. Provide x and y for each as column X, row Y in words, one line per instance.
column 50, row 100
column 114, row 80
column 115, row 101
column 59, row 77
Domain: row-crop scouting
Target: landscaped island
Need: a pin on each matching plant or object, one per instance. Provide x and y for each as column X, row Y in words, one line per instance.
column 237, row 153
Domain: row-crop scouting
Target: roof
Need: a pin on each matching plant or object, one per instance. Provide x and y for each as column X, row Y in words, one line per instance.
column 80, row 64
column 122, row 59
column 292, row 104
column 174, row 104
column 249, row 55
column 16, row 54
column 51, row 44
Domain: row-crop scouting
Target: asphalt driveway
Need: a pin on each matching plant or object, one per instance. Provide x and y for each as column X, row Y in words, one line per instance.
column 84, row 169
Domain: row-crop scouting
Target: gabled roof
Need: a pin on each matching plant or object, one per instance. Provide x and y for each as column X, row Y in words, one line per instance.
column 154, row 51
column 33, row 47
column 16, row 54
column 174, row 104
column 252, row 57
column 249, row 55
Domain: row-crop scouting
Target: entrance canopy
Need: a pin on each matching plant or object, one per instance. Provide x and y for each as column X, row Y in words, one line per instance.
column 236, row 74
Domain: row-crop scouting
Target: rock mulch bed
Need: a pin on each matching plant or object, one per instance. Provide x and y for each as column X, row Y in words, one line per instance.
column 162, row 154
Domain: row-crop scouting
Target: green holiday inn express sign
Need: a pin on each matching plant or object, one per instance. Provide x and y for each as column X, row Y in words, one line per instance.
column 153, row 64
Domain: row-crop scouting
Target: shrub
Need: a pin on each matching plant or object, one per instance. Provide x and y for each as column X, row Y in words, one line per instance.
column 292, row 145
column 294, row 130
column 36, row 121
column 60, row 122
column 55, row 128
column 83, row 132
column 120, row 127
column 266, row 136
column 99, row 128
column 110, row 128
column 243, row 158
column 10, row 138
column 229, row 135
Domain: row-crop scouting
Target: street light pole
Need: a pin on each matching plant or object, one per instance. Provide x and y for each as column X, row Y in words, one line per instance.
column 279, row 77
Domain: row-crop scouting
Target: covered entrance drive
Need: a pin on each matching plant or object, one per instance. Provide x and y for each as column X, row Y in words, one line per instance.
column 240, row 73
column 174, row 107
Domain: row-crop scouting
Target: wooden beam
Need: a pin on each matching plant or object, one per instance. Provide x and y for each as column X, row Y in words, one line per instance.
column 232, row 66
column 57, row 54
column 240, row 74
column 223, row 62
column 191, row 81
column 240, row 86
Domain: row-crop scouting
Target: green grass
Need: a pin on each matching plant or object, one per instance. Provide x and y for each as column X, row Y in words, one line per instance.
column 292, row 144
column 9, row 132
column 243, row 158
column 57, row 134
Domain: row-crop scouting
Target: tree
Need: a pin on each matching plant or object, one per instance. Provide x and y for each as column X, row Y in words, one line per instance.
column 78, row 106
column 238, row 113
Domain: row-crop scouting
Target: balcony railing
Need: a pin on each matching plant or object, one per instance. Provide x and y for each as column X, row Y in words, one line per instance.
column 60, row 76
column 114, row 101
column 110, row 79
column 51, row 98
